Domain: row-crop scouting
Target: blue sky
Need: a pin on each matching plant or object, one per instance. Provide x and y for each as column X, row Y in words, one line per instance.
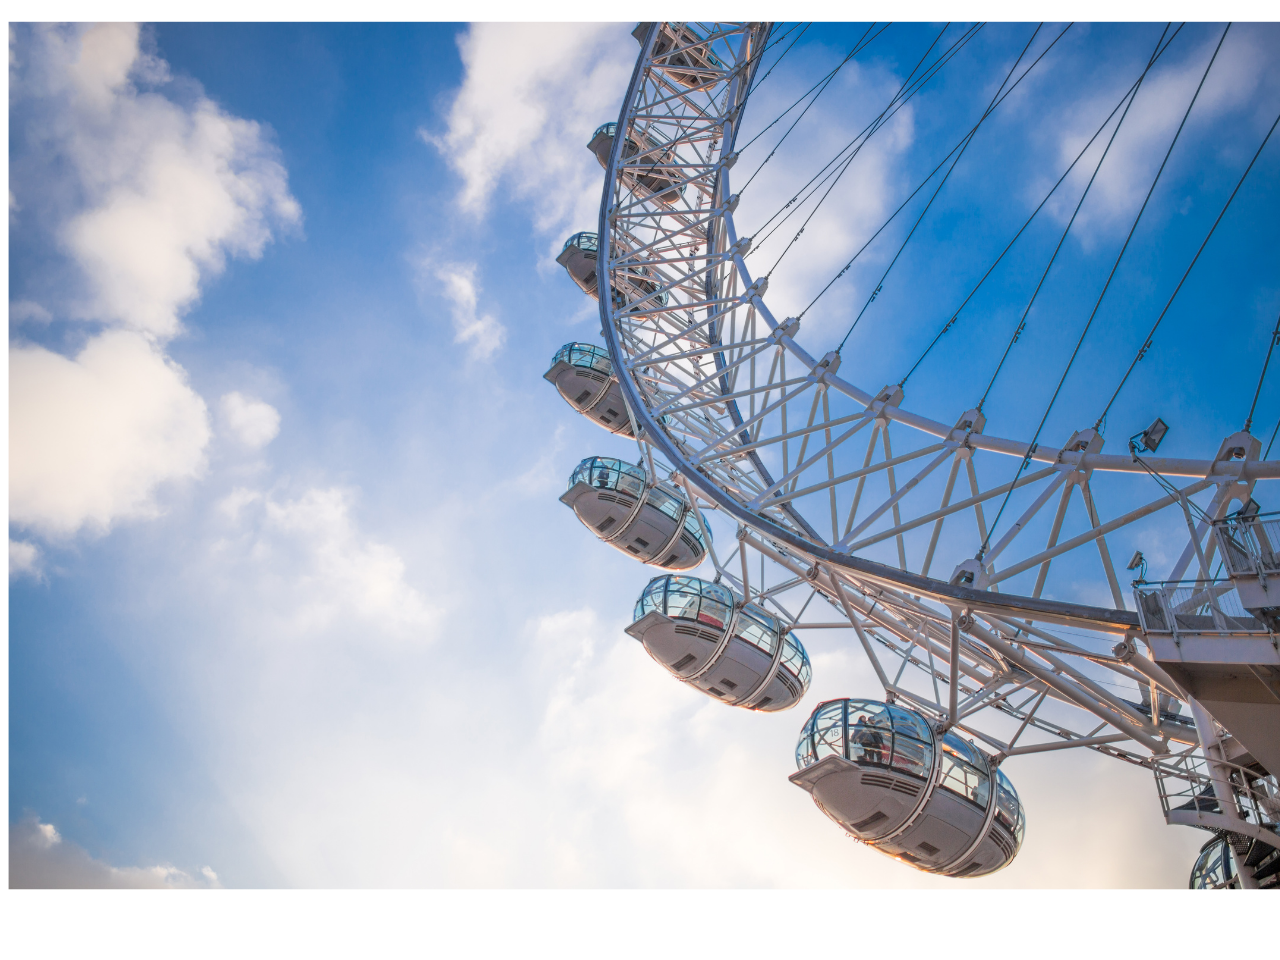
column 291, row 595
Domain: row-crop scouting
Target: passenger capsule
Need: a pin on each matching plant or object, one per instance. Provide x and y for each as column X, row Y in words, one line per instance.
column 652, row 178
column 693, row 53
column 708, row 637
column 579, row 256
column 583, row 373
column 1217, row 868
column 654, row 524
column 884, row 775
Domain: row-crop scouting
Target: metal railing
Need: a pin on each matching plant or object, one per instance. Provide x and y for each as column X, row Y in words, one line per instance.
column 1186, row 787
column 1194, row 607
column 1250, row 545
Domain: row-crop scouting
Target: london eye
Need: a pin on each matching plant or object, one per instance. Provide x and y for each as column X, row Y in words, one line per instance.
column 974, row 570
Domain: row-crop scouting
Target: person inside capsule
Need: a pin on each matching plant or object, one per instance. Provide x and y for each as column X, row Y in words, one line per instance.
column 889, row 780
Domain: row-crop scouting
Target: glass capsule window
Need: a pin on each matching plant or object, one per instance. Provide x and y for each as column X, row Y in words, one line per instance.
column 584, row 241
column 867, row 732
column 610, row 474
column 608, row 129
column 795, row 659
column 586, row 355
column 1009, row 808
column 687, row 598
column 964, row 771
column 823, row 735
column 1213, row 868
column 755, row 633
column 666, row 503
column 912, row 743
column 694, row 529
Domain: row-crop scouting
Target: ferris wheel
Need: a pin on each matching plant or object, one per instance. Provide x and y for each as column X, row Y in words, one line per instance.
column 924, row 539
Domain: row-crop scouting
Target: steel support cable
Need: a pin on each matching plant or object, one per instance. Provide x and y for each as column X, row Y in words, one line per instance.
column 1147, row 343
column 1115, row 266
column 1166, row 486
column 825, row 83
column 1022, row 322
column 1275, row 335
column 836, row 167
column 756, row 84
column 963, row 140
column 752, row 63
column 822, row 82
column 895, row 104
column 1089, row 323
column 875, row 125
column 1097, row 133
column 968, row 139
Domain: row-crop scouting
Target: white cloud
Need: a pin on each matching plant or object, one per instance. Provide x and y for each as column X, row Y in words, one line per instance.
column 39, row 858
column 21, row 311
column 856, row 207
column 24, row 559
column 532, row 95
column 92, row 436
column 313, row 570
column 1243, row 64
column 168, row 190
column 587, row 765
column 252, row 422
column 480, row 331
column 147, row 196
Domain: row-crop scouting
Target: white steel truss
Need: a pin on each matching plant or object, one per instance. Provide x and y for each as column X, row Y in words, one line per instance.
column 830, row 481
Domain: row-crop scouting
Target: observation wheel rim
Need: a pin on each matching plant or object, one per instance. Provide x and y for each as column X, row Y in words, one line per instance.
column 1104, row 619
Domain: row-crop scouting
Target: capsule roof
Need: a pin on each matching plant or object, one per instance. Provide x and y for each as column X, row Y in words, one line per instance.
column 585, row 355
column 583, row 240
column 610, row 473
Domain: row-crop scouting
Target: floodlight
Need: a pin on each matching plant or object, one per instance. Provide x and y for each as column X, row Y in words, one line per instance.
column 1152, row 436
column 1136, row 562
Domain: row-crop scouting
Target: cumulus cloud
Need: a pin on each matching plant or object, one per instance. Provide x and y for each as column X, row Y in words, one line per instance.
column 21, row 311
column 168, row 190
column 531, row 97
column 482, row 334
column 41, row 858
column 315, row 569
column 856, row 207
column 91, row 436
column 1243, row 65
column 252, row 422
column 24, row 559
column 147, row 196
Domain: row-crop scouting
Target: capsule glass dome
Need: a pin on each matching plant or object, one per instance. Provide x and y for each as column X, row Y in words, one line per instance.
column 882, row 773
column 583, row 373
column 1215, row 867
column 650, row 174
column 1218, row 868
column 706, row 636
column 653, row 523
